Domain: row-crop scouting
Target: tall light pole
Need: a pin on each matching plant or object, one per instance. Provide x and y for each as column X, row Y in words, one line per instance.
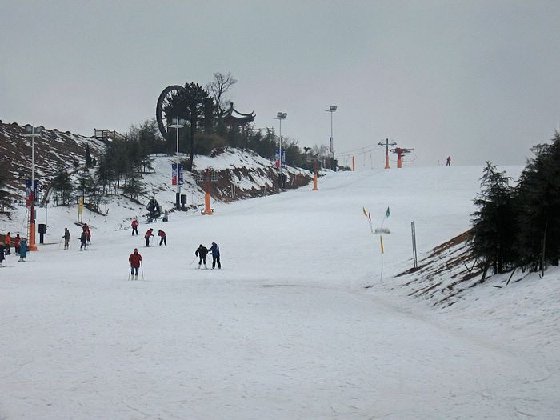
column 280, row 116
column 331, row 109
column 31, row 131
column 178, row 123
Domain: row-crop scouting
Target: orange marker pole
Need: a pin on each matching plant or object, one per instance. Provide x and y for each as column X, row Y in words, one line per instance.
column 387, row 158
column 315, row 176
column 207, row 209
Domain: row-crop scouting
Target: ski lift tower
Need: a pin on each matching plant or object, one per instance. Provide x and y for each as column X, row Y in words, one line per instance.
column 387, row 144
column 400, row 152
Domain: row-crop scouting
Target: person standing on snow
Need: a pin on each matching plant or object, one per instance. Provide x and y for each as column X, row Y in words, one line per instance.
column 135, row 260
column 22, row 250
column 8, row 242
column 215, row 249
column 134, row 225
column 163, row 237
column 66, row 238
column 17, row 241
column 83, row 240
column 201, row 254
column 1, row 252
column 147, row 236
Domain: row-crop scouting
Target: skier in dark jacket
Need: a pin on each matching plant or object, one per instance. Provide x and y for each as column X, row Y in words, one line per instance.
column 2, row 252
column 215, row 249
column 66, row 238
column 83, row 240
column 201, row 254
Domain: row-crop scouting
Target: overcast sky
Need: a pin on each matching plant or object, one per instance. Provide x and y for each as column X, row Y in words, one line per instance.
column 477, row 80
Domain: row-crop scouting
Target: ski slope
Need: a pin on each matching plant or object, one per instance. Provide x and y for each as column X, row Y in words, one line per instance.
column 286, row 330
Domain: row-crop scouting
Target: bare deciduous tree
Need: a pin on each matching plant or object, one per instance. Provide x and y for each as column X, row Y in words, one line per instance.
column 218, row 88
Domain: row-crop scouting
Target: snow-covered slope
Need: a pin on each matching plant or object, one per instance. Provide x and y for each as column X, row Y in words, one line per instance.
column 287, row 329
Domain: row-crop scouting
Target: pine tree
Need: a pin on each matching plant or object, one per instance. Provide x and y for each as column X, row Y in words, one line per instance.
column 493, row 222
column 538, row 200
column 63, row 186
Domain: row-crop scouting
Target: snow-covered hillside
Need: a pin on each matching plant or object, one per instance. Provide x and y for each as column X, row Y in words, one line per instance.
column 54, row 150
column 287, row 328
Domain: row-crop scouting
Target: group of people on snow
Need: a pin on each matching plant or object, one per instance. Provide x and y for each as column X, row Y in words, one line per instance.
column 135, row 259
column 202, row 251
column 20, row 247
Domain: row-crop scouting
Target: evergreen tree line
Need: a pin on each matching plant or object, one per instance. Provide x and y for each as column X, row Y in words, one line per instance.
column 519, row 226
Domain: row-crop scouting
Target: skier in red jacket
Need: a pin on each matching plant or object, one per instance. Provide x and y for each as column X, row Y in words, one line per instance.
column 149, row 233
column 134, row 225
column 135, row 260
column 163, row 237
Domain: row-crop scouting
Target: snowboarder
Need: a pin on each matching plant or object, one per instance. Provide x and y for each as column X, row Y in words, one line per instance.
column 147, row 236
column 163, row 237
column 215, row 249
column 201, row 254
column 22, row 250
column 135, row 260
column 66, row 237
column 134, row 225
column 17, row 241
column 8, row 242
column 2, row 252
column 83, row 240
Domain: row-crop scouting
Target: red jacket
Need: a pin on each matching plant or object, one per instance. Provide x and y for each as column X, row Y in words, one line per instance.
column 161, row 233
column 135, row 260
column 149, row 233
column 134, row 223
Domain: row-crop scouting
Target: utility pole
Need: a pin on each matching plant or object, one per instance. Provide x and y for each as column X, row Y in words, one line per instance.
column 387, row 144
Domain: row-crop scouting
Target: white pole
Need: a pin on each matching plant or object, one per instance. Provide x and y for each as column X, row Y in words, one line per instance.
column 33, row 161
column 178, row 172
column 280, row 148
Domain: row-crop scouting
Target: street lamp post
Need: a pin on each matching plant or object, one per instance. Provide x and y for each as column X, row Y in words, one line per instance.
column 281, row 116
column 178, row 123
column 31, row 131
column 331, row 109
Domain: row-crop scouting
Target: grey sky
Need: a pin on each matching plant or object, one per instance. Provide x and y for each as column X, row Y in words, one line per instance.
column 477, row 80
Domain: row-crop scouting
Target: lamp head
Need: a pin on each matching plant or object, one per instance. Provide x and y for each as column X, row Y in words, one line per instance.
column 281, row 115
column 29, row 129
column 332, row 108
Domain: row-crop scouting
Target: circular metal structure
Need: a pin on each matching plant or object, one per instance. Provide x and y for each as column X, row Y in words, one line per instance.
column 163, row 100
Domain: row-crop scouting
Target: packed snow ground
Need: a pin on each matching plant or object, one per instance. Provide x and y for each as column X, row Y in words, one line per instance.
column 286, row 330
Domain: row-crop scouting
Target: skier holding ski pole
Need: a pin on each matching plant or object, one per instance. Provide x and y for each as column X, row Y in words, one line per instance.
column 135, row 261
column 201, row 254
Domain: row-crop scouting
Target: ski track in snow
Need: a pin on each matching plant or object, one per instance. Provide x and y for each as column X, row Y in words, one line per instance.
column 286, row 330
